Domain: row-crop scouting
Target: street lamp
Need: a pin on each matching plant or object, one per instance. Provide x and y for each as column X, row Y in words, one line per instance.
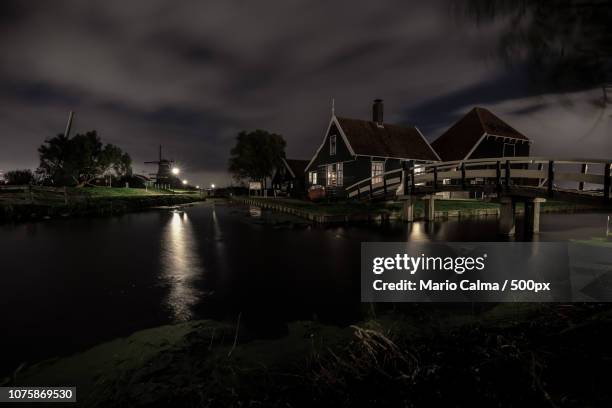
column 175, row 170
column 185, row 182
column 212, row 186
column 198, row 187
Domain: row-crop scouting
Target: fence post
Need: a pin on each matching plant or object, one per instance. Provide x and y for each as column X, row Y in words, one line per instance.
column 384, row 185
column 413, row 181
column 507, row 175
column 31, row 193
column 65, row 196
column 584, row 169
column 463, row 176
column 435, row 178
column 371, row 188
column 607, row 182
column 551, row 177
column 498, row 176
column 405, row 177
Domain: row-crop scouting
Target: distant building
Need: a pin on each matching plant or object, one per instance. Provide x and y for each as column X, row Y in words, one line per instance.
column 164, row 175
column 290, row 178
column 480, row 134
column 353, row 150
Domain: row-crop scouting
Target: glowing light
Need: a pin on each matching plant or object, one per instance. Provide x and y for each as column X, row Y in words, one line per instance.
column 185, row 182
column 198, row 187
column 175, row 170
column 212, row 186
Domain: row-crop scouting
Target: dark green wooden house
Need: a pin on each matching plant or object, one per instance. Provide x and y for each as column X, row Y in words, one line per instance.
column 289, row 178
column 481, row 134
column 354, row 149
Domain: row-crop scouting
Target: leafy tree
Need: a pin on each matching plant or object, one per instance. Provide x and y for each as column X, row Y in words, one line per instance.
column 256, row 155
column 19, row 177
column 81, row 159
column 565, row 43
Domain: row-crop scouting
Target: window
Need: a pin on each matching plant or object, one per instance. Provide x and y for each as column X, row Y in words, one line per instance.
column 312, row 178
column 509, row 150
column 331, row 175
column 378, row 168
column 335, row 174
column 332, row 145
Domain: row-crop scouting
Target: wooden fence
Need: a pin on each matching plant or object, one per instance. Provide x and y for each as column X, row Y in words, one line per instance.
column 38, row 195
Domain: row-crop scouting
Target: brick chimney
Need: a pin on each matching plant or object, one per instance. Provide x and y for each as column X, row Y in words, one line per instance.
column 377, row 112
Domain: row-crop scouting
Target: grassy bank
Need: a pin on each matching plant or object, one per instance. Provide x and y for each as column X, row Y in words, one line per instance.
column 391, row 209
column 509, row 355
column 44, row 203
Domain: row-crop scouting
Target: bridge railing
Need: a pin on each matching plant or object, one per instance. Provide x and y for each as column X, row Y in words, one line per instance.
column 581, row 176
column 549, row 175
column 385, row 185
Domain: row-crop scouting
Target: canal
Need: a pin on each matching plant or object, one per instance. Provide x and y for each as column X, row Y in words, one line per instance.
column 66, row 285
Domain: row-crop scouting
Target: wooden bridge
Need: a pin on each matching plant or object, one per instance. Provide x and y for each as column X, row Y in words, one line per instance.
column 509, row 180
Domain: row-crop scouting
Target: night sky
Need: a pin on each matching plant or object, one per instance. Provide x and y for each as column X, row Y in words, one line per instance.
column 191, row 74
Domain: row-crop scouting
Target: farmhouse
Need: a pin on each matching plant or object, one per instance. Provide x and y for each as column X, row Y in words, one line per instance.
column 480, row 134
column 353, row 150
column 289, row 178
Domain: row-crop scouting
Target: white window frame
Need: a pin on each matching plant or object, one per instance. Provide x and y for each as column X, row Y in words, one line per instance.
column 312, row 177
column 333, row 143
column 377, row 171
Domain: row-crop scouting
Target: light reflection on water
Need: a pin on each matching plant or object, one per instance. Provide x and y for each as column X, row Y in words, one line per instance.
column 181, row 266
column 255, row 211
column 417, row 231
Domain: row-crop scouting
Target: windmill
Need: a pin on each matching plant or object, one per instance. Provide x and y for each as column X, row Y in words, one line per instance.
column 165, row 171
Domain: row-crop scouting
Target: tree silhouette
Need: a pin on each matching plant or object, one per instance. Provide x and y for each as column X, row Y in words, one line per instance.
column 567, row 44
column 19, row 177
column 80, row 160
column 256, row 155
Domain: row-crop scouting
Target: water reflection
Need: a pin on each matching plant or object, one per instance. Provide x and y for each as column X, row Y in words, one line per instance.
column 254, row 211
column 418, row 231
column 216, row 228
column 181, row 266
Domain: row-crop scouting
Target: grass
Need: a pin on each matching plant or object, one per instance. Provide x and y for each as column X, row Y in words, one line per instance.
column 466, row 206
column 416, row 355
column 78, row 194
column 352, row 207
column 128, row 192
column 117, row 192
column 44, row 203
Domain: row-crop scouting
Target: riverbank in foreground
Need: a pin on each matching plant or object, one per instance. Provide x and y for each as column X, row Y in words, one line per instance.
column 425, row 355
column 355, row 211
column 91, row 201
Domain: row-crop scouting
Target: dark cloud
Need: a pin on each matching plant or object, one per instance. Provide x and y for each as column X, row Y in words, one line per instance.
column 191, row 74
